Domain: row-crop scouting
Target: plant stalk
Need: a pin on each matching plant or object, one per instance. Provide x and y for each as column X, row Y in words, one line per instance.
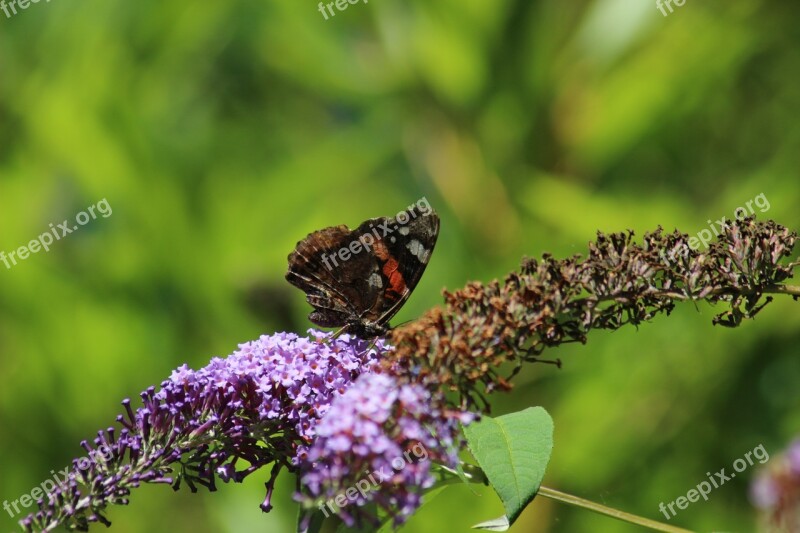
column 608, row 511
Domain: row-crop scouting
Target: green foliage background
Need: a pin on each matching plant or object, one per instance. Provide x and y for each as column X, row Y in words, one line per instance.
column 222, row 132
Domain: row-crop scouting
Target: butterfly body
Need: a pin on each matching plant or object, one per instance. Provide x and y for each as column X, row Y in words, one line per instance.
column 358, row 279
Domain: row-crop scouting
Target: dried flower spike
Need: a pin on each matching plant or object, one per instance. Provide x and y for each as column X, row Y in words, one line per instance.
column 463, row 346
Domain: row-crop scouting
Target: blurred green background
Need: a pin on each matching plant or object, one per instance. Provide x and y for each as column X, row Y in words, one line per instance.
column 221, row 133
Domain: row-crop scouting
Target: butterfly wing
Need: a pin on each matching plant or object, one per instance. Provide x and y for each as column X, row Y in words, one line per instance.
column 365, row 275
column 402, row 254
column 335, row 280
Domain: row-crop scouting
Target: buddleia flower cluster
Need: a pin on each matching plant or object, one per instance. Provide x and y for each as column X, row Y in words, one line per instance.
column 378, row 444
column 259, row 406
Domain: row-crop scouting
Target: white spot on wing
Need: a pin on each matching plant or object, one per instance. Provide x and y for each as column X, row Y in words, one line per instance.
column 375, row 280
column 403, row 230
column 419, row 251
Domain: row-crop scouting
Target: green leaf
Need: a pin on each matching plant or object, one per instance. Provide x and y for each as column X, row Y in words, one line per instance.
column 496, row 524
column 513, row 451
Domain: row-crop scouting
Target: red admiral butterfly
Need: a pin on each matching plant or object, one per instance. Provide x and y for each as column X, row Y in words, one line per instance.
column 358, row 279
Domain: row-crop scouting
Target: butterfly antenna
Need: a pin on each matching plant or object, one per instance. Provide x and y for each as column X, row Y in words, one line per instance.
column 401, row 324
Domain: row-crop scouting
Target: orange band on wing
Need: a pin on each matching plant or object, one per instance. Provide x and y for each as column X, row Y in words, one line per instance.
column 391, row 269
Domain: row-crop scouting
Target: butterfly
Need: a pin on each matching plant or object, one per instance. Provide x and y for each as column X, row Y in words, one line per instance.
column 358, row 279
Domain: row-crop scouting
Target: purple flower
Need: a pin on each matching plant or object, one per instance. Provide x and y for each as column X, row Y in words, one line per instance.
column 776, row 491
column 793, row 457
column 261, row 404
column 377, row 444
column 764, row 493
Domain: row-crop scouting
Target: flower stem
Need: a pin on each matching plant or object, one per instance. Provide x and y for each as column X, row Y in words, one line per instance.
column 608, row 511
column 474, row 474
column 784, row 289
